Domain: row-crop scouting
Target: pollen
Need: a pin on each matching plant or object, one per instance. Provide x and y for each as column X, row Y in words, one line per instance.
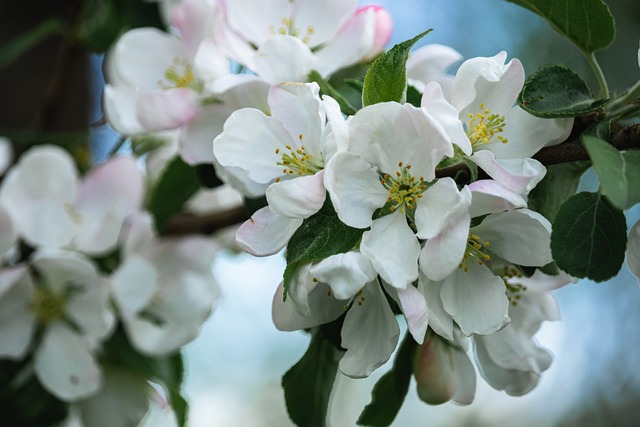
column 483, row 127
column 404, row 190
column 474, row 252
column 180, row 75
column 297, row 160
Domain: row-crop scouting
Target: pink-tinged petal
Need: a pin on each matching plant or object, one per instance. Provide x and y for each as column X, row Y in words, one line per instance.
column 369, row 334
column 323, row 309
column 194, row 21
column 298, row 107
column 429, row 63
column 414, row 308
column 527, row 134
column 119, row 105
column 317, row 22
column 383, row 29
column 476, row 300
column 489, row 196
column 65, row 366
column 249, row 141
column 8, row 234
column 284, row 59
column 521, row 236
column 256, row 20
column 298, row 197
column 133, row 285
column 166, row 110
column 265, row 233
column 355, row 199
column 209, row 62
column 441, row 205
column 17, row 324
column 241, row 91
column 108, row 194
column 232, row 44
column 442, row 254
column 466, row 391
column 633, row 250
column 196, row 137
column 345, row 273
column 439, row 320
column 142, row 56
column 352, row 44
column 445, row 117
column 393, row 250
column 487, row 81
column 519, row 175
column 436, row 371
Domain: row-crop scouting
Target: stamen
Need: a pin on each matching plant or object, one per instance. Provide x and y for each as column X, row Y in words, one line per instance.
column 474, row 252
column 180, row 75
column 484, row 126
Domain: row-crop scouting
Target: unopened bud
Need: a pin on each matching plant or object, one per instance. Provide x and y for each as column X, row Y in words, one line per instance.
column 436, row 372
column 382, row 31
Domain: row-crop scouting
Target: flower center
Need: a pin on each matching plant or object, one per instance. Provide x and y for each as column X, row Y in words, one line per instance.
column 514, row 290
column 474, row 252
column 48, row 306
column 288, row 28
column 297, row 161
column 404, row 189
column 484, row 126
column 180, row 75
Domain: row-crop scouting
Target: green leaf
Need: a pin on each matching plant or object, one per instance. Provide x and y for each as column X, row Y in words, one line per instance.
column 391, row 389
column 166, row 370
column 13, row 49
column 178, row 183
column 386, row 79
column 307, row 385
column 619, row 173
column 327, row 89
column 320, row 236
column 560, row 183
column 556, row 91
column 587, row 23
column 589, row 237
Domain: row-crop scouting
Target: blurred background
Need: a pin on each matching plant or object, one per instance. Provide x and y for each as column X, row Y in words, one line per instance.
column 233, row 368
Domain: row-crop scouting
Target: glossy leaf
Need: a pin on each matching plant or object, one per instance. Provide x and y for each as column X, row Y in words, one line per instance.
column 619, row 173
column 386, row 79
column 589, row 237
column 556, row 91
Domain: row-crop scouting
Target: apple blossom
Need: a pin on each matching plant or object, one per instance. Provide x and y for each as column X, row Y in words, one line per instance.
column 283, row 40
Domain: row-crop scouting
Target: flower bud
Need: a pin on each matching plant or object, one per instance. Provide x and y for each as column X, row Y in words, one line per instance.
column 436, row 371
column 382, row 31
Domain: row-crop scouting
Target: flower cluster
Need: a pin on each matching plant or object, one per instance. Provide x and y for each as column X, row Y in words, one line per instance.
column 454, row 257
column 84, row 278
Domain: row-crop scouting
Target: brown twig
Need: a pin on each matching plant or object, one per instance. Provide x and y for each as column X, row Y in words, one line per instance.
column 627, row 138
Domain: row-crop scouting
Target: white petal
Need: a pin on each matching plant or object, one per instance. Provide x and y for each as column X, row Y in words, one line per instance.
column 441, row 205
column 325, row 18
column 249, row 141
column 345, row 273
column 369, row 333
column 283, row 59
column 439, row 320
column 134, row 284
column 298, row 197
column 323, row 309
column 65, row 365
column 521, row 236
column 633, row 250
column 393, row 250
column 157, row 111
column 17, row 324
column 519, row 175
column 335, row 135
column 489, row 196
column 527, row 134
column 466, row 391
column 209, row 62
column 446, row 116
column 196, row 137
column 441, row 255
column 414, row 308
column 63, row 269
column 256, row 20
column 265, row 233
column 429, row 62
column 241, row 91
column 8, row 233
column 91, row 310
column 476, row 300
column 355, row 189
column 119, row 104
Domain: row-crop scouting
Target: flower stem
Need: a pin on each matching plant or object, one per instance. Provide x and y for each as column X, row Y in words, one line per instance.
column 628, row 96
column 604, row 89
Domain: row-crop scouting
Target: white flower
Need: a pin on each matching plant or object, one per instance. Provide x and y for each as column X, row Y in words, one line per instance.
column 282, row 155
column 390, row 166
column 633, row 248
column 165, row 290
column 511, row 359
column 429, row 64
column 501, row 137
column 283, row 40
column 50, row 207
column 61, row 293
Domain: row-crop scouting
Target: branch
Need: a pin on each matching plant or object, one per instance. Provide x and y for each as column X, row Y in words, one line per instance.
column 627, row 138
